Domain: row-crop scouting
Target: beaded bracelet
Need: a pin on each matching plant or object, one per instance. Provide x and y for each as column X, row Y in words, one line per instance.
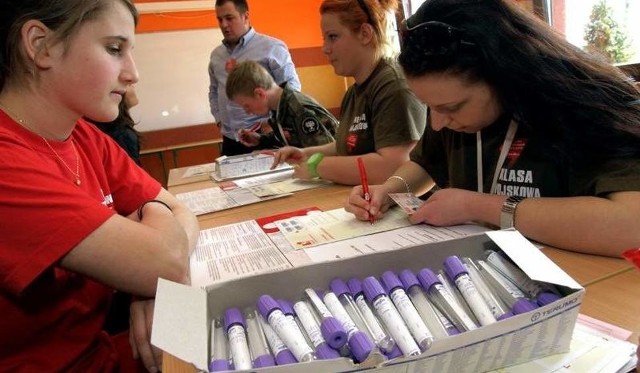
column 149, row 201
column 406, row 185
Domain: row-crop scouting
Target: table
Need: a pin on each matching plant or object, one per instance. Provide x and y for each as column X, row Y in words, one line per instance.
column 176, row 177
column 612, row 285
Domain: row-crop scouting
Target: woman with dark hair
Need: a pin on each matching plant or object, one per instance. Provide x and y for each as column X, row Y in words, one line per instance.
column 525, row 130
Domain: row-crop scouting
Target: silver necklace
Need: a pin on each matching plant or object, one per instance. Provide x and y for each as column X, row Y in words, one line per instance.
column 22, row 122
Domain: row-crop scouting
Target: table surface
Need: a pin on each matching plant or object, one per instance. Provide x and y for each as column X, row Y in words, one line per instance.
column 612, row 284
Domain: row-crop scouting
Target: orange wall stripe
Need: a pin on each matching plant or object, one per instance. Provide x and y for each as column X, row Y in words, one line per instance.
column 175, row 21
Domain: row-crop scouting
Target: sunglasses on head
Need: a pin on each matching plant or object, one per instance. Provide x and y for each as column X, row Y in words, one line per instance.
column 434, row 39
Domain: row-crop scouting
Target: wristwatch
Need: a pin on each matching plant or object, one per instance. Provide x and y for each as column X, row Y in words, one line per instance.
column 508, row 213
column 312, row 164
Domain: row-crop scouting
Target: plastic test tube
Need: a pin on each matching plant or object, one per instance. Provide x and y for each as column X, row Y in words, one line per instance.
column 445, row 300
column 311, row 325
column 389, row 315
column 219, row 348
column 506, row 290
column 499, row 310
column 235, row 326
column 439, row 325
column 457, row 272
column 287, row 309
column 457, row 296
column 541, row 292
column 359, row 343
column 407, row 310
column 290, row 335
column 258, row 346
column 282, row 354
column 332, row 329
column 380, row 337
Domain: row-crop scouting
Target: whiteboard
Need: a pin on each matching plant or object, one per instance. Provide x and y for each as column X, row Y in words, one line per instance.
column 173, row 89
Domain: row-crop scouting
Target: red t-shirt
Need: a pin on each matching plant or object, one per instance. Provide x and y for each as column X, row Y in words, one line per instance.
column 51, row 319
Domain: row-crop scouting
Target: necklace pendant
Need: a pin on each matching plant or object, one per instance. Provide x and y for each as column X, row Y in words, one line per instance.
column 77, row 182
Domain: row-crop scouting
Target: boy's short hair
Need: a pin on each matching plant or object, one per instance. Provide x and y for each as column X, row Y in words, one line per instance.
column 245, row 77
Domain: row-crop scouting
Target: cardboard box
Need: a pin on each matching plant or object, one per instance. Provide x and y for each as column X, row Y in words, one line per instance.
column 183, row 313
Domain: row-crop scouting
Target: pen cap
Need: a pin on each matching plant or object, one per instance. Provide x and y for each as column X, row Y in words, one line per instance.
column 285, row 357
column 264, row 361
column 324, row 352
column 266, row 304
column 333, row 332
column 523, row 305
column 339, row 287
column 355, row 286
column 360, row 346
column 454, row 267
column 390, row 281
column 372, row 288
column 633, row 255
column 219, row 365
column 546, row 297
column 286, row 307
column 233, row 316
column 427, row 278
column 408, row 279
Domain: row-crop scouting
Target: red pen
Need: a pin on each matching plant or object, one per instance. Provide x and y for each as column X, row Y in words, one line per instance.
column 365, row 185
column 633, row 256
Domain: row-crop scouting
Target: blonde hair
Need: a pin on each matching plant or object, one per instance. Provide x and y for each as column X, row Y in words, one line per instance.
column 245, row 77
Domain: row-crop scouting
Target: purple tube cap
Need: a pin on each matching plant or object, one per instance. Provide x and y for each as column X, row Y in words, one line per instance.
column 233, row 316
column 453, row 331
column 285, row 357
column 339, row 287
column 360, row 346
column 219, row 365
column 390, row 281
column 325, row 352
column 408, row 279
column 394, row 353
column 505, row 315
column 547, row 297
column 286, row 307
column 454, row 267
column 355, row 285
column 264, row 361
column 333, row 332
column 372, row 288
column 523, row 305
column 266, row 304
column 427, row 278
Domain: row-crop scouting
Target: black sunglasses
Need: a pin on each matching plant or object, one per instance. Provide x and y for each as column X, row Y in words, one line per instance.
column 433, row 39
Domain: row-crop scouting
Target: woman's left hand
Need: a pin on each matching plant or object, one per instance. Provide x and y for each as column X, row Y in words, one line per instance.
column 446, row 207
column 140, row 323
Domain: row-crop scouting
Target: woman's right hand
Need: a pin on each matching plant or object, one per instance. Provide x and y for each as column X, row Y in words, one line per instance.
column 288, row 154
column 376, row 207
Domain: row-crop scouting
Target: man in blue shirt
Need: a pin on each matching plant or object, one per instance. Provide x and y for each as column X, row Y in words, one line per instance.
column 241, row 42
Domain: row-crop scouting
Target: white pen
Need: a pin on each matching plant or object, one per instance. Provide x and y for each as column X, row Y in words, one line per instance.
column 445, row 302
column 290, row 335
column 499, row 310
column 311, row 325
column 219, row 348
column 389, row 315
column 380, row 337
column 260, row 352
column 407, row 310
column 235, row 326
column 360, row 344
column 439, row 325
column 543, row 293
column 332, row 329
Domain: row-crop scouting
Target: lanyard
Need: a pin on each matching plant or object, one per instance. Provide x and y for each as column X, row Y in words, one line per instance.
column 506, row 146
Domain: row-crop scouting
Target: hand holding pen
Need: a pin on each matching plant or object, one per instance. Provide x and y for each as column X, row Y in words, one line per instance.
column 365, row 186
column 378, row 204
column 250, row 136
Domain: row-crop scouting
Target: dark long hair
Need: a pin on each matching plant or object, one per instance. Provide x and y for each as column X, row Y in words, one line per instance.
column 578, row 103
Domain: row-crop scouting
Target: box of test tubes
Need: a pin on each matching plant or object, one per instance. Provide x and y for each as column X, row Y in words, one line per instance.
column 473, row 304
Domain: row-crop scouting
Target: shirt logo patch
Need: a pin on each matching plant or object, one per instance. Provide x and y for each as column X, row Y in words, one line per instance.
column 310, row 125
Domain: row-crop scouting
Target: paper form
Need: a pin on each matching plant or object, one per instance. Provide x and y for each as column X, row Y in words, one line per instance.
column 389, row 240
column 335, row 225
column 203, row 169
column 256, row 180
column 208, row 200
column 287, row 186
column 232, row 251
column 245, row 165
